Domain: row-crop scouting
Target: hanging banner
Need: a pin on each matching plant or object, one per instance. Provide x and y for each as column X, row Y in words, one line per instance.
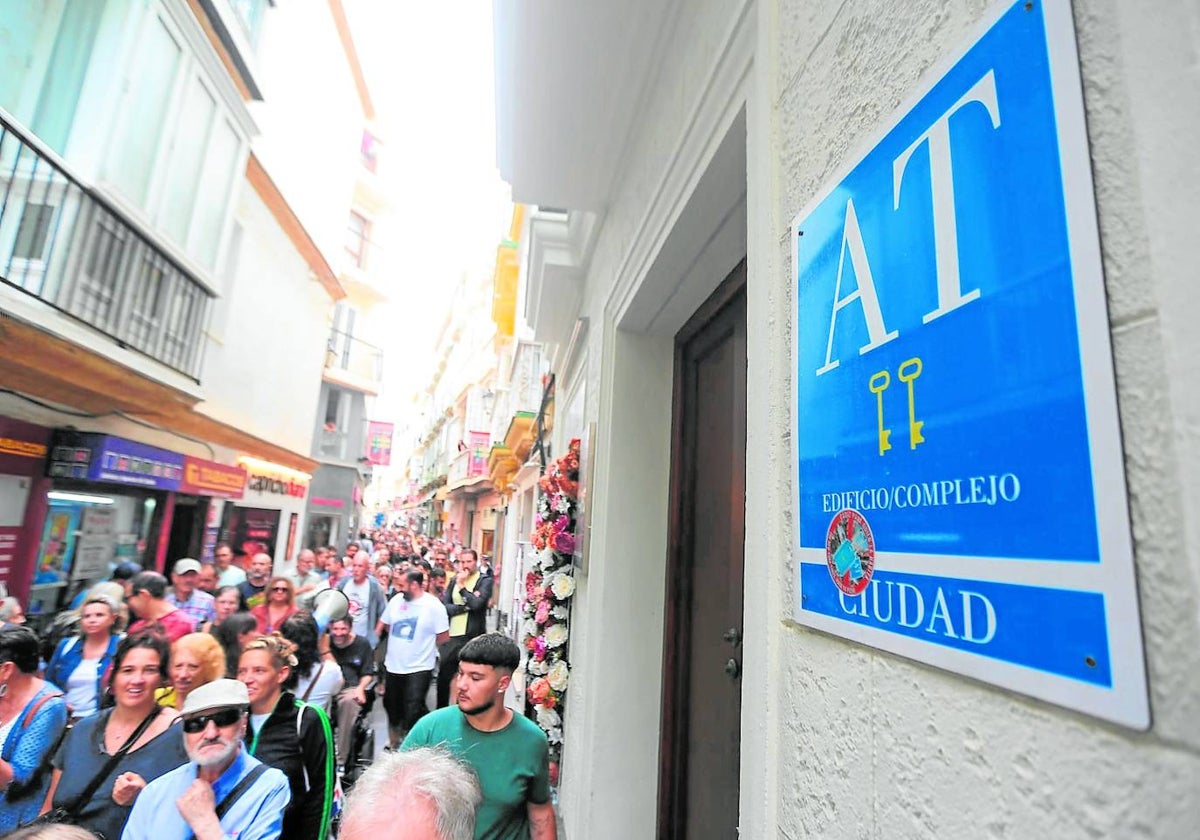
column 959, row 475
column 379, row 442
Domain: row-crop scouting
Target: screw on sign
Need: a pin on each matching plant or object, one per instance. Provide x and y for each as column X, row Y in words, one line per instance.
column 850, row 551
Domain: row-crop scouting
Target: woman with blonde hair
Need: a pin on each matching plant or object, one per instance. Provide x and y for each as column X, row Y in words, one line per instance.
column 196, row 659
column 289, row 734
column 279, row 606
column 80, row 663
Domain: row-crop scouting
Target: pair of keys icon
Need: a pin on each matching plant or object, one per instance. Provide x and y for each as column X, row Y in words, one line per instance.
column 878, row 383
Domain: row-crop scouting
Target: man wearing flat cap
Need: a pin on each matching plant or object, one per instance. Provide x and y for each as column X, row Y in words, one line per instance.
column 222, row 792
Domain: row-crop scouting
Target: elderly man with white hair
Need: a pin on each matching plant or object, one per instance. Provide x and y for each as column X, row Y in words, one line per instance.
column 223, row 791
column 422, row 794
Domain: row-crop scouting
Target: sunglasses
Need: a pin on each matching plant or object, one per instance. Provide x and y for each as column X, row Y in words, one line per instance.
column 279, row 589
column 225, row 717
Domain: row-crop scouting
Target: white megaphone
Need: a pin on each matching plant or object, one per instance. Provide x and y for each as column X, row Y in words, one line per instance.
column 328, row 606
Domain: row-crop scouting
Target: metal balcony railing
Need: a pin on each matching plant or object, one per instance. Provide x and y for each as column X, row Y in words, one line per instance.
column 354, row 356
column 333, row 444
column 63, row 243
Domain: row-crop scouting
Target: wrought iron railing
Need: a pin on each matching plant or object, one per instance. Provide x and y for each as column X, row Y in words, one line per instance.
column 354, row 356
column 65, row 244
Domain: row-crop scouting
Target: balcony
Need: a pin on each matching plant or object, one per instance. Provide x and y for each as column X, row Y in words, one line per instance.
column 64, row 244
column 333, row 444
column 353, row 363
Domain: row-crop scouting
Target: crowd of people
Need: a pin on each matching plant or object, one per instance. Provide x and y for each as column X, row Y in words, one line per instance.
column 226, row 709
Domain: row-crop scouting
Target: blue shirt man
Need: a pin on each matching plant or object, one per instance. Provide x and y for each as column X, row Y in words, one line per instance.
column 184, row 803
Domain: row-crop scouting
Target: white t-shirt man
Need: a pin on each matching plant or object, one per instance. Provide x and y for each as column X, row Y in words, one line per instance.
column 413, row 627
column 359, row 595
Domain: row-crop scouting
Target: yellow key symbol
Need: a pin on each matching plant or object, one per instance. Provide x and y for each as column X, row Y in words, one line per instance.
column 909, row 371
column 878, row 384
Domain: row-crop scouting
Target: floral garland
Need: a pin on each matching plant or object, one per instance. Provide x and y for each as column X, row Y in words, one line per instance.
column 548, row 589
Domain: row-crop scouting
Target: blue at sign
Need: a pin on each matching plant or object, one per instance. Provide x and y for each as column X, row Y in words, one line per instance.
column 959, row 479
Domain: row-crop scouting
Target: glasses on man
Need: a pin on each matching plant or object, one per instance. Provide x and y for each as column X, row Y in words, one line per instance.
column 222, row 718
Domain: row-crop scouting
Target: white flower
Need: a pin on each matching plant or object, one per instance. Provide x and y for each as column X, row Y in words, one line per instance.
column 554, row 735
column 558, row 675
column 561, row 613
column 561, row 503
column 538, row 669
column 563, row 586
column 556, row 635
column 548, row 718
column 529, row 627
column 547, row 559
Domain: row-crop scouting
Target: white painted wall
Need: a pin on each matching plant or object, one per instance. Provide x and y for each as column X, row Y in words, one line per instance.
column 263, row 361
column 926, row 754
column 311, row 119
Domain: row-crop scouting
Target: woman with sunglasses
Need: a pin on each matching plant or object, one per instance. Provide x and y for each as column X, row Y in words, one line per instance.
column 136, row 727
column 289, row 734
column 279, row 606
column 32, row 714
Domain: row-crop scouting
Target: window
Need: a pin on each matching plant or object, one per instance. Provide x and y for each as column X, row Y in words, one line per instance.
column 187, row 159
column 358, row 233
column 45, row 49
column 249, row 14
column 177, row 151
column 146, row 112
column 33, row 231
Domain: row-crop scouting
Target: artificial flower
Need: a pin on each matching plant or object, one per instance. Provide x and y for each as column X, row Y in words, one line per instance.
column 561, row 613
column 562, row 585
column 555, row 635
column 558, row 674
column 563, row 541
column 548, row 718
column 543, row 611
column 538, row 691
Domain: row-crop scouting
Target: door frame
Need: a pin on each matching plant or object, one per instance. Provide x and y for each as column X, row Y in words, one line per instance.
column 675, row 703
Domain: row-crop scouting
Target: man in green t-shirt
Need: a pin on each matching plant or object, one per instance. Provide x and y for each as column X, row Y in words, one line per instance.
column 508, row 752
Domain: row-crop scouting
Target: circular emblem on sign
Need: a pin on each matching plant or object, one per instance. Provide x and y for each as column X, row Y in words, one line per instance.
column 850, row 551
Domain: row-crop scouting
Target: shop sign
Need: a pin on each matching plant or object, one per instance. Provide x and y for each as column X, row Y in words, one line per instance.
column 321, row 501
column 959, row 475
column 96, row 457
column 277, row 486
column 209, row 478
column 23, row 447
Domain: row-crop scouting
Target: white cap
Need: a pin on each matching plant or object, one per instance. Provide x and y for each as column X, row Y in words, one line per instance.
column 217, row 694
column 187, row 564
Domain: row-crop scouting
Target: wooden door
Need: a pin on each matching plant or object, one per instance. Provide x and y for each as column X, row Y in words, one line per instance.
column 701, row 706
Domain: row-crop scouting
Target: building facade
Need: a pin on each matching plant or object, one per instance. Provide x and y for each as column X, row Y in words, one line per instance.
column 166, row 296
column 670, row 297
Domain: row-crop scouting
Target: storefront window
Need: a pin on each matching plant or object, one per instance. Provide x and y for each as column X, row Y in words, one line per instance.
column 86, row 533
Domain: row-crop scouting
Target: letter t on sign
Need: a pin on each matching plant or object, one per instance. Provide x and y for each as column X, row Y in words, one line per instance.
column 941, row 178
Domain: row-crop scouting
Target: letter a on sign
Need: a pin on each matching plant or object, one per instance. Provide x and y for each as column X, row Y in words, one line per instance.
column 852, row 241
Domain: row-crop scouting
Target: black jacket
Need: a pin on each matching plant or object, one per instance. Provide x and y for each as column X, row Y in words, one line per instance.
column 305, row 757
column 476, row 604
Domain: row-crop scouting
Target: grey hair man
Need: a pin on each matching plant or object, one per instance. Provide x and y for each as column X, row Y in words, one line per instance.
column 421, row 794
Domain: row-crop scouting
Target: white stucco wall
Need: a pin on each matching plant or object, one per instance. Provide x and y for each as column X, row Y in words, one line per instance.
column 311, row 119
column 925, row 754
column 928, row 754
column 266, row 349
